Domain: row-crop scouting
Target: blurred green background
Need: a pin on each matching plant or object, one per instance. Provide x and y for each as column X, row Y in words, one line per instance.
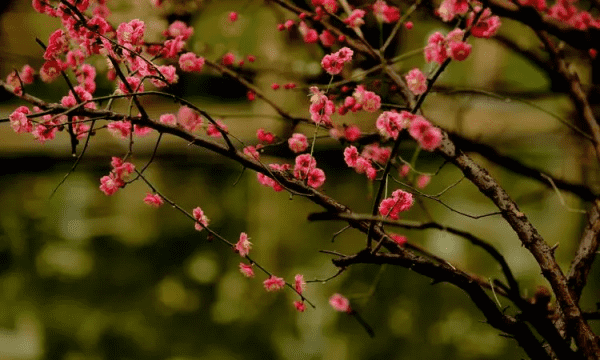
column 86, row 276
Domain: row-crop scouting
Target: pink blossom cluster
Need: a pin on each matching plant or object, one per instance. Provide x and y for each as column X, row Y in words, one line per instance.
column 366, row 100
column 449, row 9
column 487, row 25
column 25, row 76
column 385, row 13
column 334, row 63
column 361, row 164
column 268, row 181
column 355, row 19
column 247, row 270
column 428, row 136
column 400, row 201
column 330, row 6
column 117, row 177
column 308, row 35
column 321, row 108
column 376, row 153
column 390, row 123
column 216, row 130
column 439, row 48
column 305, row 168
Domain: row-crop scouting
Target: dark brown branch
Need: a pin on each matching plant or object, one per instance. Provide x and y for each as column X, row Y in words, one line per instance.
column 440, row 273
column 586, row 253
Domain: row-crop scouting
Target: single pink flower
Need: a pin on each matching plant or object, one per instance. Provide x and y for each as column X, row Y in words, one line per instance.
column 398, row 239
column 153, row 200
column 423, row 180
column 299, row 283
column 274, row 283
column 416, row 81
column 300, row 306
column 233, row 16
column 247, row 270
column 298, row 142
column 243, row 246
column 201, row 219
column 340, row 303
column 351, row 156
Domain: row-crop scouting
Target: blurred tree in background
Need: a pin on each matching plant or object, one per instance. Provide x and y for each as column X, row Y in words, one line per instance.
column 511, row 198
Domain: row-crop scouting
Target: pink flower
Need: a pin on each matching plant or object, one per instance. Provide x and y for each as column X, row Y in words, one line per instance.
column 168, row 119
column 201, row 219
column 459, row 50
column 418, row 126
column 436, row 48
column 247, row 270
column 398, row 239
column 404, row 170
column 416, row 81
column 265, row 136
column 243, row 246
column 57, row 45
column 352, row 133
column 213, row 130
column 303, row 165
column 51, row 70
column 190, row 62
column 26, row 74
column 332, row 64
column 399, row 202
column 376, row 153
column 422, row 181
column 188, row 119
column 450, row 8
column 299, row 283
column 131, row 33
column 179, row 28
column 298, row 142
column 228, row 59
column 340, row 303
column 153, row 200
column 19, row 121
column 300, row 306
column 389, row 124
column 385, row 13
column 327, row 38
column 274, row 283
column 233, row 16
column 172, row 47
column 355, row 19
column 110, row 184
column 316, row 178
column 275, row 86
column 252, row 152
column 120, row 129
column 351, row 156
column 133, row 83
column 487, row 26
column 431, row 139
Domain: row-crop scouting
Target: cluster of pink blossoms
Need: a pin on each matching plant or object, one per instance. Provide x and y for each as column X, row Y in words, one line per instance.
column 201, row 219
column 321, row 108
column 399, row 202
column 361, row 164
column 117, row 177
column 390, row 123
column 487, row 25
column 334, row 63
column 153, row 200
column 440, row 48
column 305, row 168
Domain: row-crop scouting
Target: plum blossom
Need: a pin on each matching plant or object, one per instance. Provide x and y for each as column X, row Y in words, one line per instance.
column 416, row 81
column 274, row 283
column 189, row 62
column 300, row 306
column 243, row 245
column 299, row 283
column 340, row 303
column 201, row 219
column 399, row 202
column 153, row 200
column 355, row 19
column 19, row 121
column 298, row 142
column 385, row 13
column 247, row 270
